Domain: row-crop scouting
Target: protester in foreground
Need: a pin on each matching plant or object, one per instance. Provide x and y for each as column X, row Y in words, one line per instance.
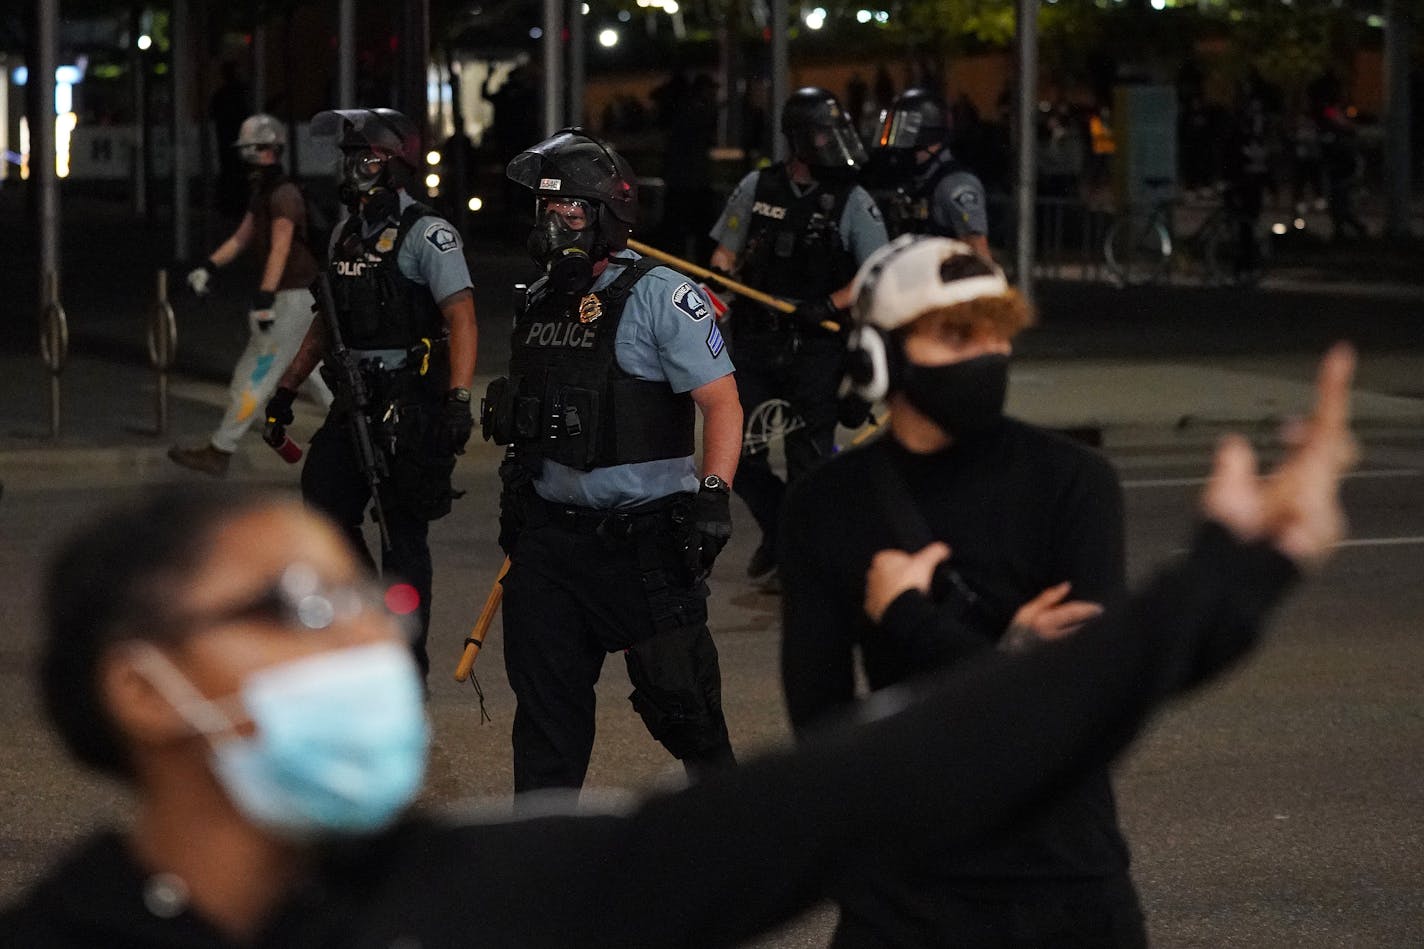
column 227, row 657
column 1035, row 523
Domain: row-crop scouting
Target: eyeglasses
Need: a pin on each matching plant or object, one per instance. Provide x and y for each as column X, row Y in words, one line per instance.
column 300, row 599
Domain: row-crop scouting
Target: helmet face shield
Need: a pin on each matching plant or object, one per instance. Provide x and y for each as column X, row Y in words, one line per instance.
column 898, row 129
column 834, row 145
column 380, row 130
column 571, row 164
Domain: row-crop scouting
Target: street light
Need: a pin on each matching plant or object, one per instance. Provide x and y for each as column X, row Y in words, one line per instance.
column 608, row 38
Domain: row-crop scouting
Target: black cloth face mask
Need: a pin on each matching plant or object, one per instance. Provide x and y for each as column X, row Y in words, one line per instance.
column 567, row 255
column 964, row 398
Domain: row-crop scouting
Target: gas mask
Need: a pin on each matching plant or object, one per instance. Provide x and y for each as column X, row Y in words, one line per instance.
column 964, row 398
column 564, row 241
column 366, row 174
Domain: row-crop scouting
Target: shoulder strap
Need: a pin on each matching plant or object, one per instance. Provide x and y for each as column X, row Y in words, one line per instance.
column 633, row 271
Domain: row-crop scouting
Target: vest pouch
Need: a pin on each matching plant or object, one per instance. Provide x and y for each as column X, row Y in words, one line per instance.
column 497, row 412
column 528, row 418
column 785, row 244
column 573, row 427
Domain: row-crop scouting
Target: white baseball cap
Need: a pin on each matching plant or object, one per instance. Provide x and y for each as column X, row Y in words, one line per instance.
column 906, row 279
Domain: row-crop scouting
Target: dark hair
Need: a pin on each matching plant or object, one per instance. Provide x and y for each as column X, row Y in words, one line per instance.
column 100, row 585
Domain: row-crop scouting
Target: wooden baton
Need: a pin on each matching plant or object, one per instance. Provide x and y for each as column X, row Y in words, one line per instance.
column 476, row 639
column 741, row 289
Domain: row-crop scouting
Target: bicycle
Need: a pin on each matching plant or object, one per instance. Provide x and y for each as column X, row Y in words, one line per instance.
column 1139, row 249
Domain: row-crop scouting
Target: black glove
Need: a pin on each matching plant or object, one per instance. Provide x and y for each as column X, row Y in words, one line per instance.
column 456, row 422
column 712, row 518
column 852, row 411
column 813, row 313
column 513, row 500
column 261, row 312
column 279, row 416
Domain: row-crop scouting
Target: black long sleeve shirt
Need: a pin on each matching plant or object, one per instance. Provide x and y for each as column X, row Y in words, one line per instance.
column 1021, row 509
column 747, row 848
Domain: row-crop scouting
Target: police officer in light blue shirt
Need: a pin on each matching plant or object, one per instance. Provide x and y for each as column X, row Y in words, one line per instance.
column 405, row 308
column 797, row 230
column 610, row 523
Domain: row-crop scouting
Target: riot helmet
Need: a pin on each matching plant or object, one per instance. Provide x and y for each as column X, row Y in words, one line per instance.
column 820, row 133
column 585, row 205
column 916, row 120
column 380, row 150
column 258, row 132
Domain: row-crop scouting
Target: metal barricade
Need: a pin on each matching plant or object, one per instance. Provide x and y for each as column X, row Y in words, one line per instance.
column 162, row 347
column 54, row 345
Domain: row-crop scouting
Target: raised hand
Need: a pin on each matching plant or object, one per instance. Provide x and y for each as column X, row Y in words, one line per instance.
column 1297, row 507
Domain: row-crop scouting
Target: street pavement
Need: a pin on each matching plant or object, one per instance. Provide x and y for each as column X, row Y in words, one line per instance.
column 1281, row 808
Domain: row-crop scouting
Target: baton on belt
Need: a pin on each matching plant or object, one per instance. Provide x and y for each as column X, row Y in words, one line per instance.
column 741, row 289
column 476, row 639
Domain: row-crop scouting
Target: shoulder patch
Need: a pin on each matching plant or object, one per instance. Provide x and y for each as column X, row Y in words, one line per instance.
column 966, row 196
column 442, row 237
column 715, row 343
column 689, row 301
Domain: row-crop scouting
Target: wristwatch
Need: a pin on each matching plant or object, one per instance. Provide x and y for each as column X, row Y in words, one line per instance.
column 714, row 483
column 459, row 395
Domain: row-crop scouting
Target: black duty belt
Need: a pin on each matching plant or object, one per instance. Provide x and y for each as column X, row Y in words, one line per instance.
column 415, row 357
column 619, row 524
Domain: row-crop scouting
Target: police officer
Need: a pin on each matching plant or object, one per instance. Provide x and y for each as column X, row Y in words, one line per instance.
column 610, row 525
column 281, row 310
column 406, row 312
column 929, row 191
column 797, row 229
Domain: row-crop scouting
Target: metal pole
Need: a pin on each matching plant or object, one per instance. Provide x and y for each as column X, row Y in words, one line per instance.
column 1027, row 33
column 162, row 346
column 138, row 67
column 259, row 68
column 346, row 54
column 578, row 61
column 180, row 78
column 42, row 144
column 553, row 71
column 1398, row 35
column 780, row 77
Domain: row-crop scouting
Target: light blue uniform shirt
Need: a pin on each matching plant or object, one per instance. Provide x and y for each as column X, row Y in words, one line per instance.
column 862, row 228
column 667, row 333
column 432, row 254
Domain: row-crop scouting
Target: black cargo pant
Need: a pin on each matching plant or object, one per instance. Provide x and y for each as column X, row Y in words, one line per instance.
column 415, row 491
column 586, row 583
column 802, row 368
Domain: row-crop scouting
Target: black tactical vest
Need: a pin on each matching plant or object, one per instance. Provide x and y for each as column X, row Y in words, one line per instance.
column 907, row 210
column 378, row 307
column 567, row 399
column 794, row 247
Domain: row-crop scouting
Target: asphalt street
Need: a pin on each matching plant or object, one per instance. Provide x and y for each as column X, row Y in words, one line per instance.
column 1283, row 806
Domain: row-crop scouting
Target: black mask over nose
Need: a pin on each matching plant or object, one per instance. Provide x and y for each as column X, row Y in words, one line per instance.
column 965, row 398
column 565, row 254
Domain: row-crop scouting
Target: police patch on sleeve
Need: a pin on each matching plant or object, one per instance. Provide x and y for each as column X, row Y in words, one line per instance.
column 442, row 237
column 715, row 344
column 966, row 197
column 688, row 300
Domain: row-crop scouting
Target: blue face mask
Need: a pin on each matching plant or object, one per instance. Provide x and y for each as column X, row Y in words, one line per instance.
column 340, row 739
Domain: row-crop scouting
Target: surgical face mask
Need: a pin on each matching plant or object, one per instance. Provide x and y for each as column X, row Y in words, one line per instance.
column 563, row 242
column 340, row 741
column 963, row 398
